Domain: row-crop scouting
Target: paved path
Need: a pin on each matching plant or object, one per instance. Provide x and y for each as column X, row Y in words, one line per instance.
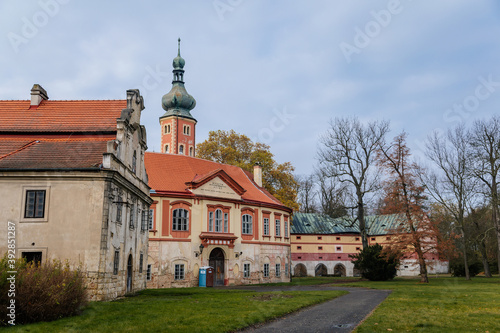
column 341, row 314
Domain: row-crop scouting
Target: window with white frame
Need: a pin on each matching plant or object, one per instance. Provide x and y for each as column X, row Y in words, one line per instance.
column 266, row 270
column 246, row 270
column 35, row 204
column 167, row 148
column 278, row 270
column 218, row 220
column 278, row 227
column 211, row 221
column 246, row 227
column 181, row 149
column 266, row 226
column 150, row 219
column 180, row 220
column 179, row 272
column 141, row 262
column 286, row 228
column 226, row 217
column 116, row 262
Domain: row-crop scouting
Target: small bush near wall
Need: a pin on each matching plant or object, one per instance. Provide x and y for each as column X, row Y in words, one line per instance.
column 43, row 292
column 374, row 264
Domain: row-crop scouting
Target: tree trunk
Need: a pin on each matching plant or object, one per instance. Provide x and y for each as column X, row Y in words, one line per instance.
column 494, row 212
column 361, row 221
column 484, row 258
column 466, row 261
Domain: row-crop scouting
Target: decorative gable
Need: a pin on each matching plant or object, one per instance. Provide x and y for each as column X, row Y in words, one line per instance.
column 216, row 184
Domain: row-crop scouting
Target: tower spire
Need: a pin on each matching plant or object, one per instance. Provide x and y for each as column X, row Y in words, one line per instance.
column 179, row 47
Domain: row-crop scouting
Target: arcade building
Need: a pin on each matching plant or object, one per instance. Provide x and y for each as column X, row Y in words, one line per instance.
column 206, row 213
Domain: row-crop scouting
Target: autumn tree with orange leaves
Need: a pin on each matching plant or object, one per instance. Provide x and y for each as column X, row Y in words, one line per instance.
column 404, row 195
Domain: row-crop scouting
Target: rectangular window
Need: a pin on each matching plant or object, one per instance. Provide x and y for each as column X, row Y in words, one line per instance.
column 144, row 220
column 179, row 272
column 298, row 237
column 211, row 221
column 357, row 239
column 141, row 262
column 286, row 228
column 148, row 273
column 246, row 221
column 151, row 219
column 320, row 247
column 35, row 204
column 266, row 226
column 358, row 248
column 373, row 238
column 339, row 248
column 119, row 206
column 116, row 262
column 132, row 214
column 388, row 238
column 286, row 269
column 180, row 220
column 32, row 257
column 266, row 270
column 246, row 270
column 320, row 238
column 278, row 270
column 299, row 247
column 278, row 227
column 225, row 222
column 338, row 238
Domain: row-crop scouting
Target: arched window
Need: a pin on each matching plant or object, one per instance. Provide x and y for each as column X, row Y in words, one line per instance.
column 181, row 149
column 180, row 220
column 246, row 224
column 167, row 129
column 190, row 151
column 166, row 148
column 134, row 162
column 218, row 220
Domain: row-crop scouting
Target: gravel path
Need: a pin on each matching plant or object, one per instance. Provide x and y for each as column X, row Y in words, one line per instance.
column 341, row 314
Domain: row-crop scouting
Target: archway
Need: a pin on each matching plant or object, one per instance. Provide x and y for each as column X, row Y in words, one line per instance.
column 216, row 260
column 300, row 270
column 339, row 270
column 129, row 273
column 320, row 270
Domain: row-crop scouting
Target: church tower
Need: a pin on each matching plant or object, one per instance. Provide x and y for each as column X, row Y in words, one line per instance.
column 177, row 124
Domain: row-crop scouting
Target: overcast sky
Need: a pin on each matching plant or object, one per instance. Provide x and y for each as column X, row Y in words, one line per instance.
column 277, row 71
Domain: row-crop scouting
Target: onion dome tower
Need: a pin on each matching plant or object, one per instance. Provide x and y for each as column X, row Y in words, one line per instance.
column 177, row 124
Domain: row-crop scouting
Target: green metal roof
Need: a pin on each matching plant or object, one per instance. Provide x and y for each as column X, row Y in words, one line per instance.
column 311, row 223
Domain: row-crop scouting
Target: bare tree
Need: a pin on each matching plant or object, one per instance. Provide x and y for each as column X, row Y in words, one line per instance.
column 332, row 196
column 346, row 155
column 306, row 194
column 485, row 141
column 454, row 187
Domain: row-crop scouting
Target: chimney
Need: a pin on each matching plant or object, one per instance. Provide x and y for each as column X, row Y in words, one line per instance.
column 257, row 174
column 38, row 94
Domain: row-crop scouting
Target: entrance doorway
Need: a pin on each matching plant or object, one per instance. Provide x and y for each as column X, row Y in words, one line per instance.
column 216, row 260
column 129, row 273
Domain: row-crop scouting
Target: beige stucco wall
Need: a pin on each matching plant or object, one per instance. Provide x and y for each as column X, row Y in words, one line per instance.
column 166, row 251
column 71, row 228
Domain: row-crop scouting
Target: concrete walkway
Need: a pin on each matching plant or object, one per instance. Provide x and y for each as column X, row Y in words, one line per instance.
column 341, row 314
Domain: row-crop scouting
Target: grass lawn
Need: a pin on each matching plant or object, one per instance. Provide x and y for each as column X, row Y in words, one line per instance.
column 183, row 310
column 444, row 305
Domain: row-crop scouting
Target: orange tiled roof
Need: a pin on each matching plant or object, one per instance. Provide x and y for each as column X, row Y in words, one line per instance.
column 60, row 116
column 170, row 173
column 31, row 153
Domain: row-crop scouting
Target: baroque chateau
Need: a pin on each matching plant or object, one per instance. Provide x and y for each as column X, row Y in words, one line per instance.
column 78, row 185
